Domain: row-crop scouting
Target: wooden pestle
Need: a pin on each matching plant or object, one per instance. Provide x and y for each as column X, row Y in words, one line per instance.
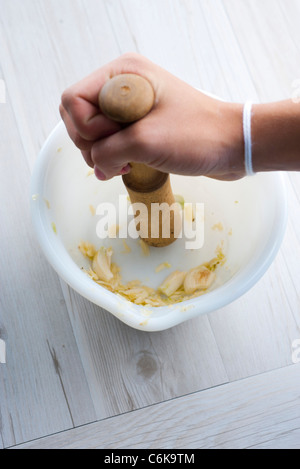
column 127, row 98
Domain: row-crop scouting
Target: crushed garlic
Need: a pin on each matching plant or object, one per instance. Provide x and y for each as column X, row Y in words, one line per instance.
column 176, row 288
column 87, row 249
column 162, row 266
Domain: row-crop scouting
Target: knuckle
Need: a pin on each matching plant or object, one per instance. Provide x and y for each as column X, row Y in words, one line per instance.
column 80, row 142
column 132, row 60
column 68, row 98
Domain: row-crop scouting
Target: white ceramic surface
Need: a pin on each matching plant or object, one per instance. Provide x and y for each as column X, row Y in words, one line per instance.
column 248, row 218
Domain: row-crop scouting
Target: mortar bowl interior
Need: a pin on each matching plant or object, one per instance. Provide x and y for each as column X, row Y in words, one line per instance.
column 246, row 219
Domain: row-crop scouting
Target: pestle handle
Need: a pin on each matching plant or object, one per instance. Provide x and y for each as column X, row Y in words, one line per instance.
column 127, row 98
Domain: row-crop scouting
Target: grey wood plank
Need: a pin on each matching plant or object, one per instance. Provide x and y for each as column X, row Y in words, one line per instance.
column 56, row 43
column 42, row 385
column 232, row 79
column 105, row 368
column 128, row 369
column 2, row 332
column 262, row 325
column 268, row 43
column 255, row 333
column 259, row 412
column 202, row 41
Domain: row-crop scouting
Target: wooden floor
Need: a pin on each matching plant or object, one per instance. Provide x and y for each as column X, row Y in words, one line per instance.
column 75, row 376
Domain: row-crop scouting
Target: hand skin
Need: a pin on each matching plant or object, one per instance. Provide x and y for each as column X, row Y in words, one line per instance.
column 276, row 136
column 185, row 133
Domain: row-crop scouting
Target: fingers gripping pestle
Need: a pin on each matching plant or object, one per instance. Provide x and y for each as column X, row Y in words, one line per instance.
column 127, row 98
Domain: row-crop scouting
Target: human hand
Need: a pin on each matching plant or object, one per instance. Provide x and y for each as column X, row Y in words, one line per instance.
column 186, row 132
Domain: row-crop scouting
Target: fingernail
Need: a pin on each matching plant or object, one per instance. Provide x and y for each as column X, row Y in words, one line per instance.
column 99, row 175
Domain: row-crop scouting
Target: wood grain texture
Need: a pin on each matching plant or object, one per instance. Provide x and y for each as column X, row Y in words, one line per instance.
column 43, row 364
column 264, row 28
column 129, row 369
column 70, row 363
column 262, row 412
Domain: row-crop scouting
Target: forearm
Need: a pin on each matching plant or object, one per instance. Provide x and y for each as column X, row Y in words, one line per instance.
column 276, row 136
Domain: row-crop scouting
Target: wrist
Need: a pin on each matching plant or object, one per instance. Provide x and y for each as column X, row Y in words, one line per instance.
column 264, row 148
column 275, row 136
column 233, row 157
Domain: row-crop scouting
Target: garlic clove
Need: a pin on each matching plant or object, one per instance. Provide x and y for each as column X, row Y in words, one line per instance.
column 199, row 278
column 172, row 283
column 102, row 264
